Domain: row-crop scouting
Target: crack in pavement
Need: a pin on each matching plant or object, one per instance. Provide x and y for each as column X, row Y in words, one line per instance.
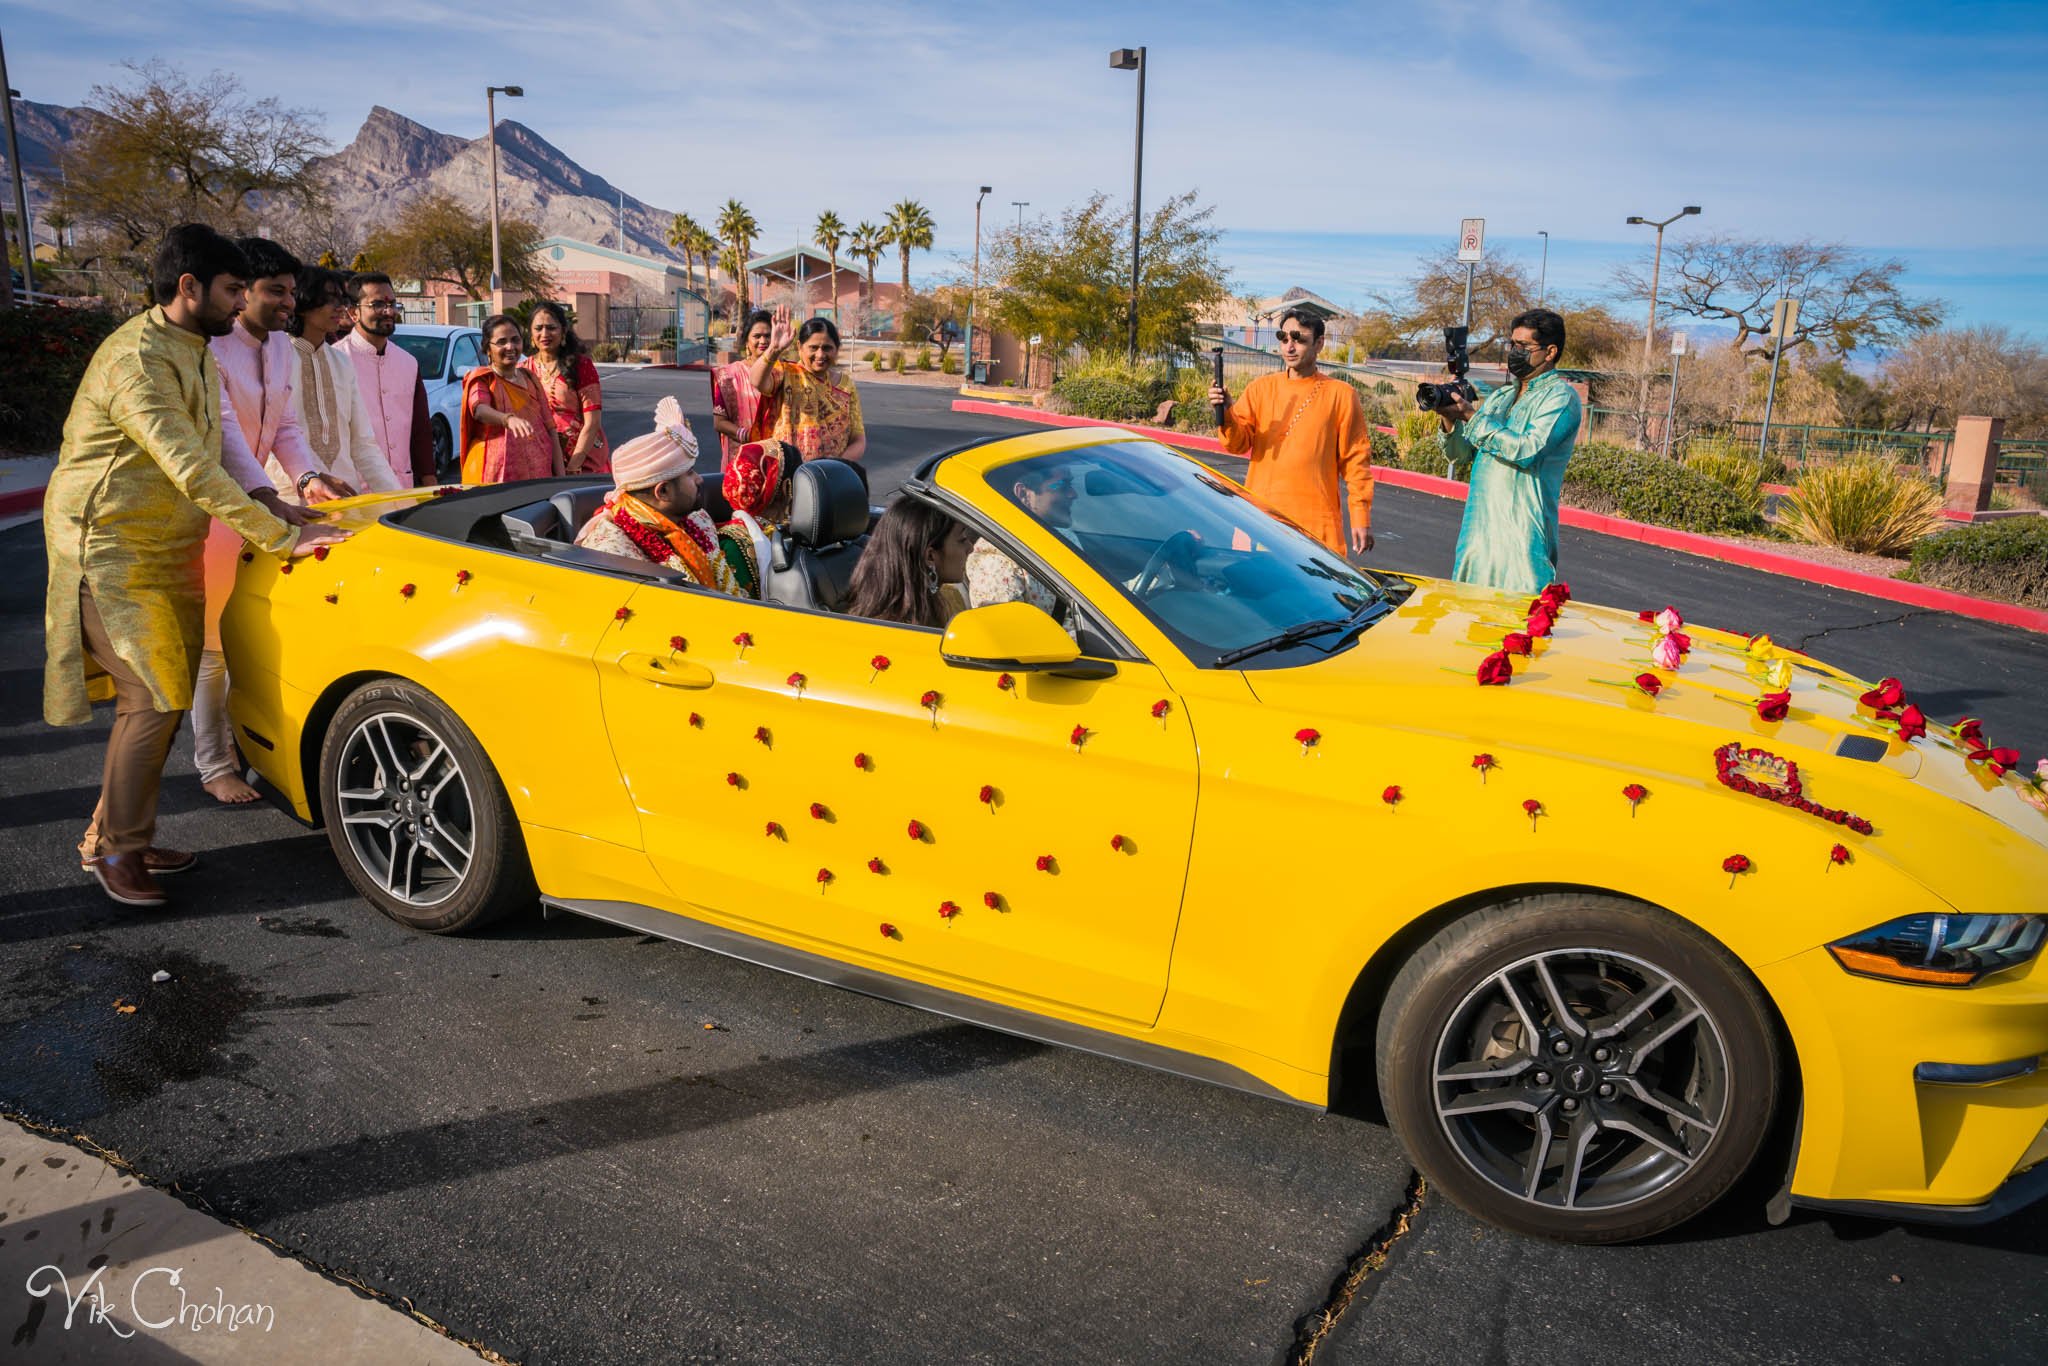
column 1899, row 620
column 1361, row 1266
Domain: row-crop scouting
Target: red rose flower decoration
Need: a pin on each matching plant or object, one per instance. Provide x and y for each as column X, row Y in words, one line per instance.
column 320, row 551
column 987, row 795
column 1912, row 723
column 876, row 665
column 1681, row 640
column 860, row 761
column 947, row 910
column 1495, row 670
column 1646, row 615
column 1307, row 737
column 1044, row 864
column 1077, row 736
column 1735, row 865
column 1534, row 808
column 1650, row 683
column 1971, row 732
column 1560, row 592
column 333, row 597
column 1772, row 706
column 1999, row 760
column 1160, row 708
column 796, row 681
column 888, row 930
column 743, row 640
column 622, row 614
column 248, row 557
column 1005, row 682
column 732, row 780
column 696, row 720
column 405, row 590
column 1116, row 842
column 991, row 900
column 915, row 830
column 1838, row 854
column 1392, row 795
column 930, row 700
column 874, row 865
column 678, row 644
column 1540, row 622
column 286, row 568
column 462, row 576
column 1888, row 693
column 773, row 830
column 1635, row 792
column 1516, row 643
column 1482, row 762
column 761, row 734
column 818, row 812
column 824, row 875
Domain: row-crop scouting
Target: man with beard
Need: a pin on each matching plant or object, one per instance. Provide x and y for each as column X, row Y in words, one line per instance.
column 653, row 512
column 124, row 523
column 259, row 431
column 389, row 379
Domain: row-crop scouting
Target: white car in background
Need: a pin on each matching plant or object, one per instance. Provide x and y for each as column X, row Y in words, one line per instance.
column 445, row 355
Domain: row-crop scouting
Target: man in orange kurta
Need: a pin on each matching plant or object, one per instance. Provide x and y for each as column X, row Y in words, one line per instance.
column 1304, row 431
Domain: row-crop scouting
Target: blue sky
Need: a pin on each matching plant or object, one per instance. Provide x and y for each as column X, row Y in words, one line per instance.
column 1907, row 129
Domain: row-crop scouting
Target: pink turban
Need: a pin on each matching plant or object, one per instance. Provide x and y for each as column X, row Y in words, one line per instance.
column 664, row 453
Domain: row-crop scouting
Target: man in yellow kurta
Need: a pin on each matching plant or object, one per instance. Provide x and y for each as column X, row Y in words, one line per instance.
column 1303, row 431
column 124, row 521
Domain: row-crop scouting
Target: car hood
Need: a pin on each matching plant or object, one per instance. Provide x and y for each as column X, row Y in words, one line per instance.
column 1418, row 669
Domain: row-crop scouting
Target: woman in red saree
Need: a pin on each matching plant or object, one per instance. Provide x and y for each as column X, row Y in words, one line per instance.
column 738, row 411
column 507, row 433
column 565, row 375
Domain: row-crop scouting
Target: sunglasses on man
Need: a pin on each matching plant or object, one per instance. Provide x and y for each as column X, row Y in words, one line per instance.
column 1299, row 338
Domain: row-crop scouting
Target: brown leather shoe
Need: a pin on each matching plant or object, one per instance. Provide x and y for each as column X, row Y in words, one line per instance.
column 157, row 861
column 124, row 878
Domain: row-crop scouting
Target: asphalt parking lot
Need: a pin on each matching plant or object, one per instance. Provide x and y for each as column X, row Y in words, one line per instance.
column 571, row 1143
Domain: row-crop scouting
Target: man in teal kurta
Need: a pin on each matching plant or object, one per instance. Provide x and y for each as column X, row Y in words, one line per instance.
column 1517, row 443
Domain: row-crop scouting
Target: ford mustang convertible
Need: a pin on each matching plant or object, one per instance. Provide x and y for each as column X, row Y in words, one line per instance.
column 1602, row 911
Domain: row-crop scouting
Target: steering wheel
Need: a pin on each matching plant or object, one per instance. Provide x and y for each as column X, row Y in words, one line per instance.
column 1177, row 549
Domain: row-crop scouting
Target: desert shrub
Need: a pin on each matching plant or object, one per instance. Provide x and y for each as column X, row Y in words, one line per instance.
column 1607, row 478
column 896, row 362
column 871, row 355
column 1413, row 429
column 1111, row 388
column 1387, row 455
column 2006, row 559
column 1384, row 388
column 1864, row 504
column 881, row 361
column 1740, row 472
column 924, row 358
column 606, row 351
column 950, row 364
column 43, row 353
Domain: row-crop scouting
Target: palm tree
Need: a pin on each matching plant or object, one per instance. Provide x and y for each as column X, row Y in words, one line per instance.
column 705, row 245
column 867, row 244
column 828, row 232
column 683, row 232
column 738, row 229
column 910, row 228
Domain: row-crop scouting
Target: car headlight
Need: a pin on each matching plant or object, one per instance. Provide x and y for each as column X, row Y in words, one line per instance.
column 1942, row 950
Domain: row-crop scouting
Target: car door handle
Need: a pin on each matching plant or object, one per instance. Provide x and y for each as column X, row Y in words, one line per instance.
column 670, row 672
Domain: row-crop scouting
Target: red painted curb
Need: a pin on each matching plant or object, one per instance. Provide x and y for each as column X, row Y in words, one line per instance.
column 21, row 500
column 1666, row 538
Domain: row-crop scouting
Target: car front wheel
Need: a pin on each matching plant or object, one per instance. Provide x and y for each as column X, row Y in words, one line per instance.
column 1578, row 1067
column 417, row 815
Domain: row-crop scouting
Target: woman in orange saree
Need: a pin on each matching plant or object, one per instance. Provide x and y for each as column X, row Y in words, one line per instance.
column 507, row 431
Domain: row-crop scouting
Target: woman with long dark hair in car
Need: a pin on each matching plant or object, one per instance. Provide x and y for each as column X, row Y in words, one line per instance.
column 912, row 567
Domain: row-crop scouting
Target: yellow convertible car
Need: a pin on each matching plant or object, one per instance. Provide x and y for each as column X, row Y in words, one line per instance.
column 1603, row 911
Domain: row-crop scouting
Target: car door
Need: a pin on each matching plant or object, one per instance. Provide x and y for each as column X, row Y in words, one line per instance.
column 834, row 784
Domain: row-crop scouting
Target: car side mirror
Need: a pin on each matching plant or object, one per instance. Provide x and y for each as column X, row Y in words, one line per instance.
column 1016, row 637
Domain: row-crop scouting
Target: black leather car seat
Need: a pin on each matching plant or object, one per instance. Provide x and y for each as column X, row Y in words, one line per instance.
column 578, row 506
column 811, row 560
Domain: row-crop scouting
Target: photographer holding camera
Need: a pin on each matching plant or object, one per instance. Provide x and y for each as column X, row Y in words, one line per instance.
column 1517, row 441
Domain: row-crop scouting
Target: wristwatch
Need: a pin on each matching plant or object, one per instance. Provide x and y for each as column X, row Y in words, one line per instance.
column 308, row 477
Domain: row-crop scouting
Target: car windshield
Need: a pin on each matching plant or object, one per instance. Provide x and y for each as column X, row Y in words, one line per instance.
column 429, row 350
column 1229, row 582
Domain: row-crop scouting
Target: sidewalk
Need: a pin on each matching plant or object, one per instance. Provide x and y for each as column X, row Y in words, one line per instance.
column 96, row 1268
column 22, row 478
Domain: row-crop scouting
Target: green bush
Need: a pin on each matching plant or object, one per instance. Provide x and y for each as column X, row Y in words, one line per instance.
column 950, row 364
column 2006, row 559
column 1114, row 390
column 1864, row 504
column 881, row 361
column 43, row 353
column 896, row 362
column 607, row 351
column 872, row 356
column 1386, row 454
column 1741, row 472
column 1384, row 388
column 1413, row 429
column 924, row 358
column 1606, row 478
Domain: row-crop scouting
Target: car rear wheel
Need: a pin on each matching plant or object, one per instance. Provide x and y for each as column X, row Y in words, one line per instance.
column 417, row 815
column 445, row 466
column 1578, row 1067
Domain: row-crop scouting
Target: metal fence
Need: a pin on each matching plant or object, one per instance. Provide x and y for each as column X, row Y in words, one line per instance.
column 1797, row 446
column 2023, row 465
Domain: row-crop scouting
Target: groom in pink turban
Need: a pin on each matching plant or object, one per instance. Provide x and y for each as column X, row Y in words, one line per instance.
column 653, row 510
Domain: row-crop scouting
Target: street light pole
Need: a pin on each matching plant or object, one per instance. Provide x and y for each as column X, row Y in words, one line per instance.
column 974, row 295
column 1133, row 59
column 1543, row 276
column 491, row 117
column 1020, row 205
column 1656, row 277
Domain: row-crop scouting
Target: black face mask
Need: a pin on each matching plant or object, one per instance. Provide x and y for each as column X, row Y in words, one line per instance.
column 1520, row 365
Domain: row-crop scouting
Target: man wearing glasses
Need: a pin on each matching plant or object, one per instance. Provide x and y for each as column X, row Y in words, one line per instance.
column 1303, row 432
column 390, row 380
column 1517, row 441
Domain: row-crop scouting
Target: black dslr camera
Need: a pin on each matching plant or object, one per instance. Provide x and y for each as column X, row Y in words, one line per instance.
column 1430, row 397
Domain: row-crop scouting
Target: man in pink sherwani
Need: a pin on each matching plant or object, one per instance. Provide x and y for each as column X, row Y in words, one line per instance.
column 257, row 421
column 390, row 381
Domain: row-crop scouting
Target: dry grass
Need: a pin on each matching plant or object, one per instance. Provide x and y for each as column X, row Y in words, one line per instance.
column 1864, row 504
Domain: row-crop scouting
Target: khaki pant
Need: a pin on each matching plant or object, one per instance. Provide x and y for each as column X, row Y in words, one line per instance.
column 213, row 739
column 124, row 822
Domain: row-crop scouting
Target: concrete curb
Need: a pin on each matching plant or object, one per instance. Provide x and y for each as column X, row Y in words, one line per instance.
column 1665, row 538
